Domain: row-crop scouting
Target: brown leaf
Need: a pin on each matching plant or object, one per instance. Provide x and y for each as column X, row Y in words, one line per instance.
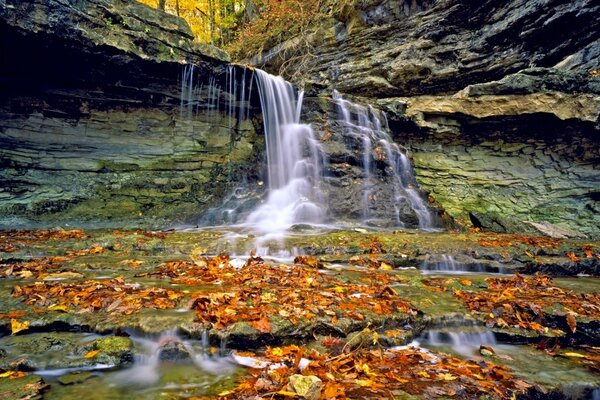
column 571, row 322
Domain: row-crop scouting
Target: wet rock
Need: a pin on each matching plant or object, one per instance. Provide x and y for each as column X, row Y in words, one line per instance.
column 495, row 223
column 560, row 266
column 46, row 351
column 75, row 378
column 116, row 350
column 306, row 386
column 173, row 351
column 554, row 231
column 423, row 51
column 29, row 387
column 130, row 56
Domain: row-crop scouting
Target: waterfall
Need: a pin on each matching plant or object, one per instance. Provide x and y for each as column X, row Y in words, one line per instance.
column 466, row 343
column 294, row 157
column 363, row 123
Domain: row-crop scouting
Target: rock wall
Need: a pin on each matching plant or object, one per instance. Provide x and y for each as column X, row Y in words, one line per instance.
column 91, row 126
column 535, row 168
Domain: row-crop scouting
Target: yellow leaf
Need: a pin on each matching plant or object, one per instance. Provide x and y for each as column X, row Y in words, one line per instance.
column 58, row 307
column 277, row 351
column 364, row 382
column 339, row 289
column 571, row 354
column 367, row 370
column 423, row 374
column 16, row 326
column 375, row 338
column 225, row 393
column 287, row 394
column 385, row 266
column 268, row 297
column 91, row 354
column 12, row 374
column 447, row 377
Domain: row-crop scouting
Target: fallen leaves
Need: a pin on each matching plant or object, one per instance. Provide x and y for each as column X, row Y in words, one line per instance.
column 14, row 240
column 506, row 240
column 257, row 292
column 370, row 373
column 520, row 302
column 114, row 295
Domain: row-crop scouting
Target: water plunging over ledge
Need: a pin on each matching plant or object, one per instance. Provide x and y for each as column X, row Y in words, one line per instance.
column 293, row 160
column 296, row 162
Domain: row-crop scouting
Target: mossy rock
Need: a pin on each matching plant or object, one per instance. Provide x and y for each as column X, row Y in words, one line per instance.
column 115, row 350
column 28, row 387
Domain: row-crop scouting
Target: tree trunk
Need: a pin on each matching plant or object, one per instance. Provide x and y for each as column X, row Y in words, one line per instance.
column 161, row 4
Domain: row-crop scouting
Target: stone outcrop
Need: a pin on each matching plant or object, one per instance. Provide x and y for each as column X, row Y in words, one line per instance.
column 524, row 148
column 92, row 128
column 425, row 47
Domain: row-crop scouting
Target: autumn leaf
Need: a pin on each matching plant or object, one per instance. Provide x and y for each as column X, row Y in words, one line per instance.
column 58, row 307
column 16, row 326
column 571, row 256
column 91, row 354
column 571, row 322
column 12, row 374
column 262, row 325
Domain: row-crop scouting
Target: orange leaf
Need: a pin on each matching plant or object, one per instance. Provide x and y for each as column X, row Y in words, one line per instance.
column 263, row 325
column 572, row 256
column 91, row 354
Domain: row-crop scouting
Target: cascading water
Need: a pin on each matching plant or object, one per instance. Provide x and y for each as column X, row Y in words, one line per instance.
column 364, row 124
column 445, row 263
column 466, row 343
column 169, row 348
column 296, row 160
column 293, row 160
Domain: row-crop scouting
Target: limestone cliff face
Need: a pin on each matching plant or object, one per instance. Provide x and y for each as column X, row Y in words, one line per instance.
column 498, row 101
column 91, row 125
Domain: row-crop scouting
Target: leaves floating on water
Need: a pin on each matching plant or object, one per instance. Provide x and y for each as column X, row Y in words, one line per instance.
column 97, row 296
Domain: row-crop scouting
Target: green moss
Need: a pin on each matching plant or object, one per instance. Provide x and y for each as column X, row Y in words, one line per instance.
column 114, row 345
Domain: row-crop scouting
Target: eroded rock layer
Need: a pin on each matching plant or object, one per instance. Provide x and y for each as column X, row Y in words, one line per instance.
column 91, row 124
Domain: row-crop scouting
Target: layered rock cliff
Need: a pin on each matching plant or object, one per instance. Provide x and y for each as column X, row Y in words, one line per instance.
column 499, row 102
column 92, row 129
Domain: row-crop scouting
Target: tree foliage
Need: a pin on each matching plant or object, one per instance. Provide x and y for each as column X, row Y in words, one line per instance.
column 245, row 27
column 211, row 21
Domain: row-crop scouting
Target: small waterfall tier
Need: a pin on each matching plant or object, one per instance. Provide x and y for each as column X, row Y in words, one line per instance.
column 387, row 174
